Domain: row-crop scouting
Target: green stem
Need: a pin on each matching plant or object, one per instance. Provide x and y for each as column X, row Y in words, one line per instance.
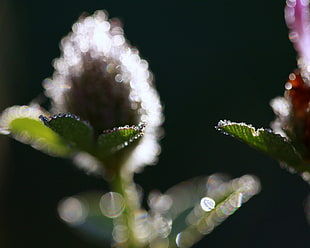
column 123, row 183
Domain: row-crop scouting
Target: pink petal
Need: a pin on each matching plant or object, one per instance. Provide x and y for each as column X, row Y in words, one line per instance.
column 297, row 19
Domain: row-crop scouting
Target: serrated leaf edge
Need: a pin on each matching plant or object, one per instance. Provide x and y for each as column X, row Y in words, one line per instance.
column 255, row 131
column 140, row 127
column 47, row 120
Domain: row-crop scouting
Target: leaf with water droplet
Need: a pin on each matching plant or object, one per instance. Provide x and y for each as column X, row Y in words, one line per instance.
column 266, row 141
column 24, row 125
column 207, row 204
column 210, row 211
column 78, row 133
column 187, row 196
column 117, row 139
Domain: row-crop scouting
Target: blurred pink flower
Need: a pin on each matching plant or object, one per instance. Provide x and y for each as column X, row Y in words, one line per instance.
column 298, row 21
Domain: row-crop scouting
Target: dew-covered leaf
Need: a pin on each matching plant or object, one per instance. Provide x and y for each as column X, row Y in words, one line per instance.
column 23, row 124
column 78, row 133
column 222, row 197
column 266, row 141
column 118, row 138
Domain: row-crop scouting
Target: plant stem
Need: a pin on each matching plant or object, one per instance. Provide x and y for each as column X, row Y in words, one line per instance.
column 123, row 184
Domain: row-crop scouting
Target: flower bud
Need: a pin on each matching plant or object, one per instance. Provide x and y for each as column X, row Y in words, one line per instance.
column 293, row 110
column 101, row 79
column 293, row 113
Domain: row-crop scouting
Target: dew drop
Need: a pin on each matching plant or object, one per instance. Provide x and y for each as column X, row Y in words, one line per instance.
column 118, row 40
column 293, row 36
column 112, row 204
column 288, row 86
column 185, row 239
column 292, row 76
column 110, row 68
column 178, row 240
column 207, row 204
column 306, row 176
column 119, row 78
column 120, row 233
column 280, row 105
column 162, row 225
column 72, row 210
column 291, row 3
column 159, row 202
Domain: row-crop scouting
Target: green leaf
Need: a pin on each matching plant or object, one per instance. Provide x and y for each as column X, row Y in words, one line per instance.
column 23, row 124
column 118, row 138
column 221, row 198
column 78, row 133
column 266, row 141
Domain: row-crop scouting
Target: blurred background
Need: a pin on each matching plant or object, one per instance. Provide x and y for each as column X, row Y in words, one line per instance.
column 212, row 60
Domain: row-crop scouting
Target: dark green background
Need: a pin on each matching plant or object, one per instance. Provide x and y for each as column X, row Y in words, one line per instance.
column 212, row 60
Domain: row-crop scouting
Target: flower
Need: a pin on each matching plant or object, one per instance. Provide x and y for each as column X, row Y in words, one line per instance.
column 103, row 81
column 298, row 21
column 293, row 110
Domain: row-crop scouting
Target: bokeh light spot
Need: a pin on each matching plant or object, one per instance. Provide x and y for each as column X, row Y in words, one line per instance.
column 207, row 204
column 112, row 204
column 73, row 211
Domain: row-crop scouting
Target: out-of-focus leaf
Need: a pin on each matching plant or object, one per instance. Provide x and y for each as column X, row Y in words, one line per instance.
column 82, row 213
column 118, row 138
column 23, row 124
column 78, row 133
column 266, row 141
column 228, row 197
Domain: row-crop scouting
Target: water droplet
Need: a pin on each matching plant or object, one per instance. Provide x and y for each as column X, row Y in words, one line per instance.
column 119, row 78
column 72, row 210
column 292, row 76
column 280, row 106
column 110, row 68
column 293, row 36
column 162, row 225
column 120, row 233
column 288, row 86
column 207, row 204
column 159, row 202
column 112, row 204
column 142, row 225
column 237, row 201
column 185, row 239
column 118, row 40
column 134, row 105
column 306, row 176
column 178, row 239
column 291, row 3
